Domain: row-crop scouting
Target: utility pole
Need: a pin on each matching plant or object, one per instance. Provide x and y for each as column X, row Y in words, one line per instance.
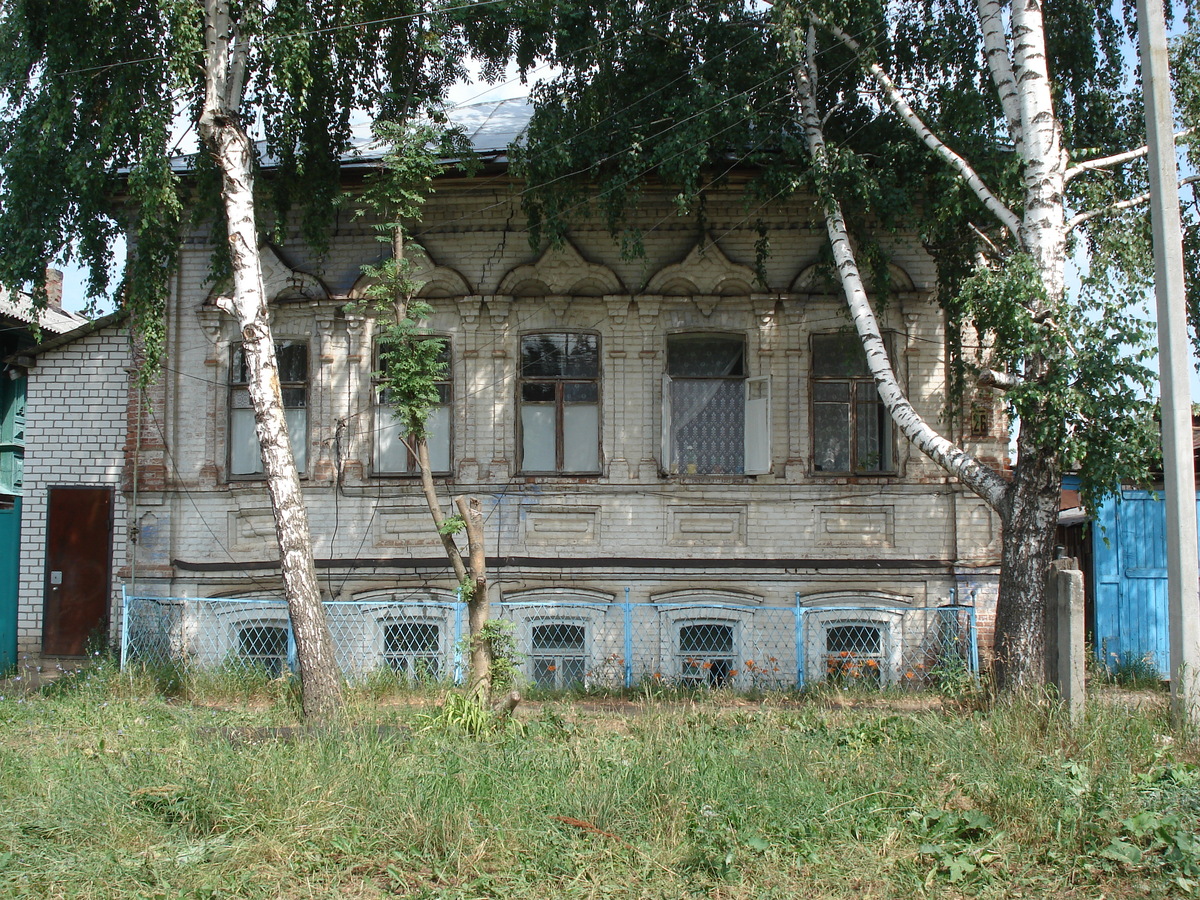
column 1183, row 567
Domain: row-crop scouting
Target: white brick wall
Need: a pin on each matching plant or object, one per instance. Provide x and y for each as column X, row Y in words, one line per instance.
column 74, row 435
column 920, row 528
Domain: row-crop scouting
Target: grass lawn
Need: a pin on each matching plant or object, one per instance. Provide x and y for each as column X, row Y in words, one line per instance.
column 110, row 790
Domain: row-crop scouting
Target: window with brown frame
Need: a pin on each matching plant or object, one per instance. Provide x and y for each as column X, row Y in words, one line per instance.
column 560, row 403
column 716, row 419
column 852, row 431
column 394, row 453
column 245, row 457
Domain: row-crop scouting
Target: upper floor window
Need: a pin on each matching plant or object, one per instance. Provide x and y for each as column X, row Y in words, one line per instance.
column 245, row 457
column 716, row 420
column 852, row 431
column 560, row 403
column 394, row 453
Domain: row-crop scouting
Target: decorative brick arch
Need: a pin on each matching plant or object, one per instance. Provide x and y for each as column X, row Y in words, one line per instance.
column 705, row 271
column 560, row 272
column 435, row 281
column 280, row 281
column 814, row 279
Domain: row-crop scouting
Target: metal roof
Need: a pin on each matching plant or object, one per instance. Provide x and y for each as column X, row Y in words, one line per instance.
column 491, row 127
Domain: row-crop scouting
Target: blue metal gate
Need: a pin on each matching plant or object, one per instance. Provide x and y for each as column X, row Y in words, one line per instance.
column 1130, row 552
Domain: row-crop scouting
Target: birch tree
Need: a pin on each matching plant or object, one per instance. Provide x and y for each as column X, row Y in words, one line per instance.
column 94, row 90
column 1006, row 135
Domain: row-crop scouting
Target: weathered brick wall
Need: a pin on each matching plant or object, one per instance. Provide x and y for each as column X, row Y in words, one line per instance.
column 74, row 434
column 913, row 536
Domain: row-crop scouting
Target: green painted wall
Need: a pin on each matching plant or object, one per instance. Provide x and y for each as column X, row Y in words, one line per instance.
column 10, row 556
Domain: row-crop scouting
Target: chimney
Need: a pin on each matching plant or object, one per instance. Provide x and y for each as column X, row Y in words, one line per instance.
column 54, row 280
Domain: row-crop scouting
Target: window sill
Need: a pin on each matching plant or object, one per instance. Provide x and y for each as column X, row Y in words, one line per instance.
column 440, row 477
column 678, row 478
column 550, row 477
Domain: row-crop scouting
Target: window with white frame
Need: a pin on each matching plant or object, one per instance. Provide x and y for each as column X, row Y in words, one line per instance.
column 716, row 420
column 263, row 646
column 413, row 648
column 245, row 457
column 558, row 654
column 394, row 454
column 706, row 653
column 852, row 431
column 560, row 403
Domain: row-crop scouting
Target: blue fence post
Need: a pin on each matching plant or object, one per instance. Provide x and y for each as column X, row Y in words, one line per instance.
column 628, row 610
column 293, row 659
column 799, row 643
column 974, row 644
column 124, row 626
column 458, row 635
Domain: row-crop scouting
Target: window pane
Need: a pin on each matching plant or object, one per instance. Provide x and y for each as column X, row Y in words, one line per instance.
column 538, row 392
column 237, row 371
column 544, row 671
column 707, row 637
column 588, row 392
column 581, row 438
column 537, row 437
column 297, row 426
column 557, row 636
column 833, row 391
column 583, row 356
column 831, row 437
column 265, row 646
column 293, row 361
column 574, row 669
column 872, row 431
column 437, row 438
column 244, row 458
column 858, row 639
column 708, row 427
column 542, row 355
column 705, row 356
column 411, row 637
column 838, row 356
column 391, row 456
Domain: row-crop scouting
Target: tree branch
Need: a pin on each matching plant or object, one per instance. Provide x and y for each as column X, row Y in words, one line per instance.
column 1086, row 216
column 435, row 510
column 995, row 48
column 982, row 480
column 896, row 100
column 1003, row 381
column 1106, row 162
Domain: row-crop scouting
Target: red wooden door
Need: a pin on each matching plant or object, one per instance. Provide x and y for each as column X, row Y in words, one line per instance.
column 78, row 568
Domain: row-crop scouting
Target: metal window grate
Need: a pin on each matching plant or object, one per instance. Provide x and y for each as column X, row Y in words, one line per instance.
column 565, row 644
column 413, row 649
column 264, row 647
column 706, row 654
column 558, row 655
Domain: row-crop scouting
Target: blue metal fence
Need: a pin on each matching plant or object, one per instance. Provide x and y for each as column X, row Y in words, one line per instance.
column 570, row 643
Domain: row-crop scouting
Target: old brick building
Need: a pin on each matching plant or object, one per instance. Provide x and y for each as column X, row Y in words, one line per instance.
column 678, row 428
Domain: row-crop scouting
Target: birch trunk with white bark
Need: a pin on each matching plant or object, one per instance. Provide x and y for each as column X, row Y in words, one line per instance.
column 1030, row 512
column 1027, row 505
column 224, row 137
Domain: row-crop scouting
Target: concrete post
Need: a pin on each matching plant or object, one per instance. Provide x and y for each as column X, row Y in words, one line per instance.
column 1183, row 571
column 1065, row 648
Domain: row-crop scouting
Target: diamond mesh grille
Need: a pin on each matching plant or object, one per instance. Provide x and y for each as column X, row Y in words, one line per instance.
column 563, row 645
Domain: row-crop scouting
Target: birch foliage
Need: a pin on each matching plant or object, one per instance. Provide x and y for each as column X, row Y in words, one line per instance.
column 1007, row 136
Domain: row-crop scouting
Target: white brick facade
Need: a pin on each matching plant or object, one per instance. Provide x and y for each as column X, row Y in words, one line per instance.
column 913, row 532
column 910, row 535
column 74, row 437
